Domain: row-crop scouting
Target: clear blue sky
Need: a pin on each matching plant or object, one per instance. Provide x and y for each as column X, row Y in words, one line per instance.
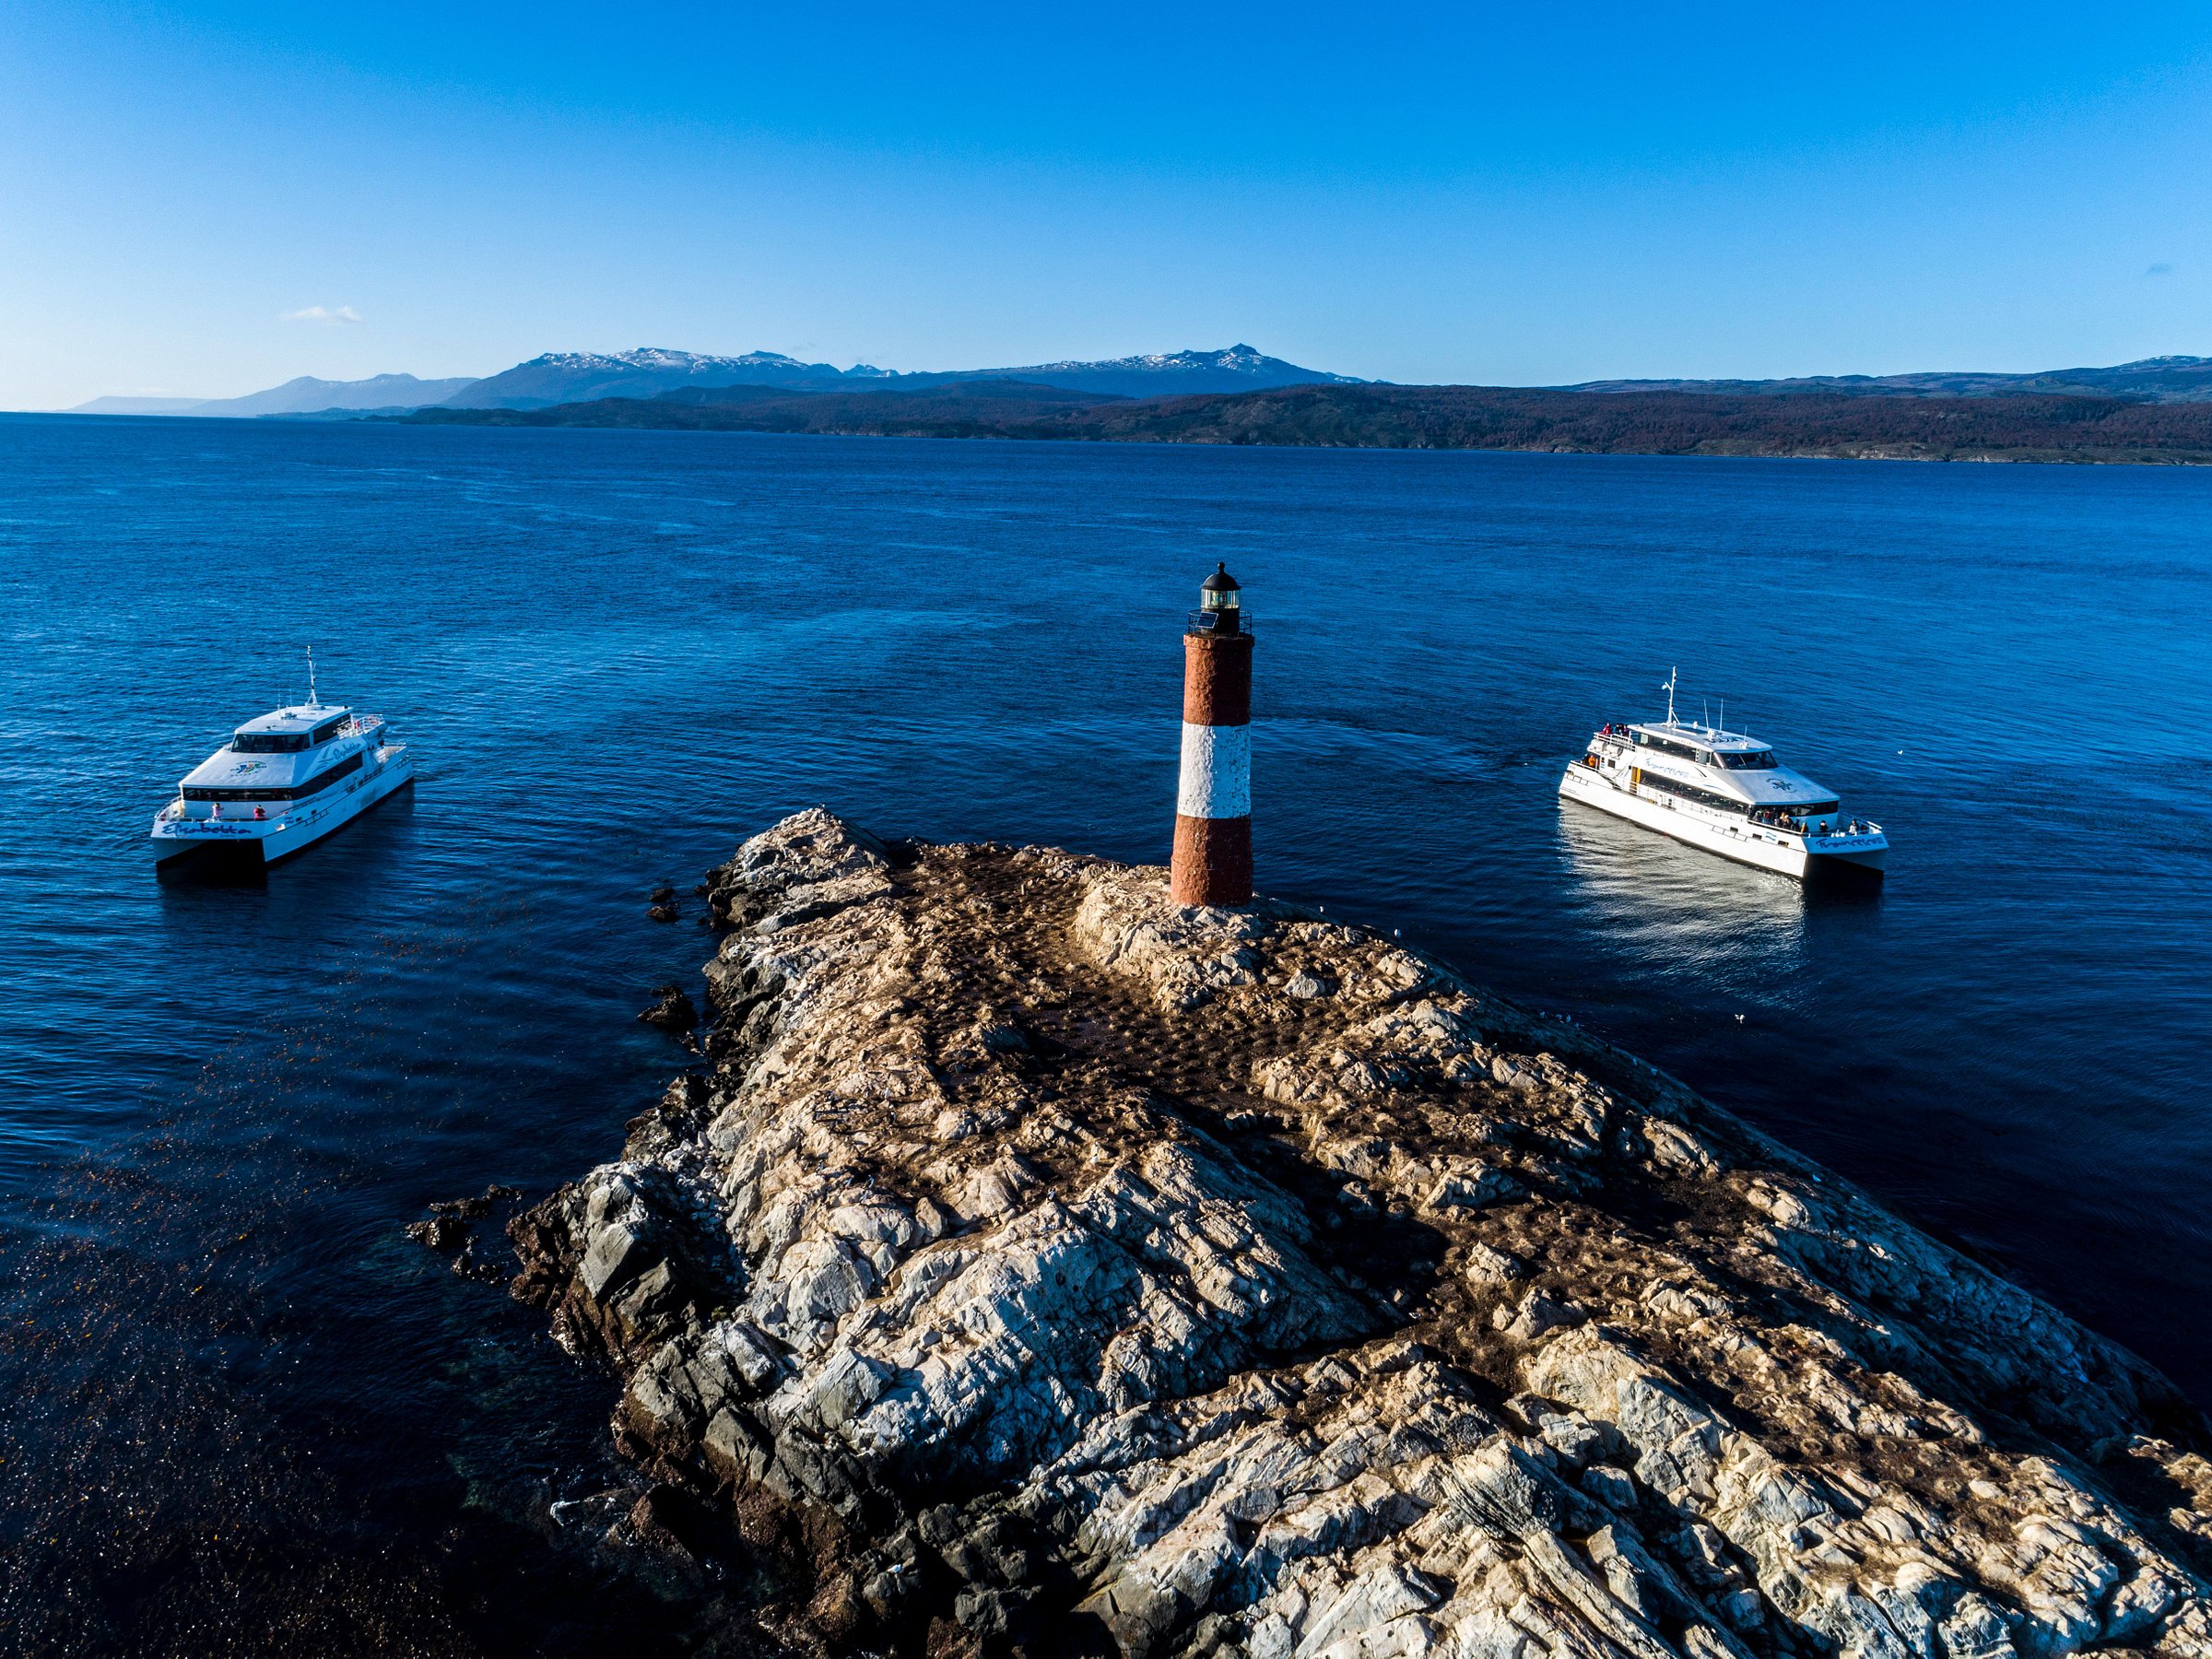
column 1495, row 194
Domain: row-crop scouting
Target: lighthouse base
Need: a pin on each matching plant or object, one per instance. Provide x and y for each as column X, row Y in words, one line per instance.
column 1213, row 861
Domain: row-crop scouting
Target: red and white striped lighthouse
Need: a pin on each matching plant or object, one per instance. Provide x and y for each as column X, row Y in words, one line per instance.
column 1213, row 805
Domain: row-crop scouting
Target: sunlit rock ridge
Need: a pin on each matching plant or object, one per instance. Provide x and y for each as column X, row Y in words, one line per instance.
column 1037, row 1266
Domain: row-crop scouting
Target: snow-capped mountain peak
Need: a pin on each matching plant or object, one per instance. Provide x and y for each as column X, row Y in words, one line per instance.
column 560, row 377
column 1238, row 367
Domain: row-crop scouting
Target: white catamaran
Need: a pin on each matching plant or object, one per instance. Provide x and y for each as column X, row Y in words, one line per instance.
column 1722, row 791
column 283, row 782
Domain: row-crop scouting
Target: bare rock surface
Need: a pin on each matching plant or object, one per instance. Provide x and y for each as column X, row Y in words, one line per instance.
column 1042, row 1267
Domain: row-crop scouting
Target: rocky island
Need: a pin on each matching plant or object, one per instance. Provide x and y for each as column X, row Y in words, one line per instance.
column 1035, row 1265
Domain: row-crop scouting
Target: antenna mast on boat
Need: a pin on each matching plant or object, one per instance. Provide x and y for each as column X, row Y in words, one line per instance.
column 312, row 703
column 1669, row 689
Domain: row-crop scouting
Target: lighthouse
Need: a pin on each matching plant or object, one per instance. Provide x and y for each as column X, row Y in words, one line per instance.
column 1213, row 805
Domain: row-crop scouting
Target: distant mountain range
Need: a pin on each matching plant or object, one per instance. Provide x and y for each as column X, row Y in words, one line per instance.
column 567, row 377
column 1166, row 374
column 561, row 378
column 306, row 395
column 137, row 405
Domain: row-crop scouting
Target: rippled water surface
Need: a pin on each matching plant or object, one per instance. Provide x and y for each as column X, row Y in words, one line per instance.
column 244, row 1411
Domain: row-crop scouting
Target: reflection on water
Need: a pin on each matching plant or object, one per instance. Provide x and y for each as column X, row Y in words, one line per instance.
column 1680, row 911
column 214, row 868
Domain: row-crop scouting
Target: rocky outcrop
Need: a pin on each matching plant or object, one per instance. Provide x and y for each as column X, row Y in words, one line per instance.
column 1038, row 1266
column 451, row 1231
column 671, row 1011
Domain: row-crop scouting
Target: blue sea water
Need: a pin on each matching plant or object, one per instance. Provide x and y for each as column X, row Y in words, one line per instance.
column 238, row 1395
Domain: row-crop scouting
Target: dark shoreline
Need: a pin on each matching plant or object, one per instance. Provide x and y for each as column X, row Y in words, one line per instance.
column 2015, row 428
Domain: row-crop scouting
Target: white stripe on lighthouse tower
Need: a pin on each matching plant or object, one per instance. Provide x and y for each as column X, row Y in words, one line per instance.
column 1216, row 773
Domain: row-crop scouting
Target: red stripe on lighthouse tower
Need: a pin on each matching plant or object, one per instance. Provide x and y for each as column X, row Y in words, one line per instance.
column 1213, row 805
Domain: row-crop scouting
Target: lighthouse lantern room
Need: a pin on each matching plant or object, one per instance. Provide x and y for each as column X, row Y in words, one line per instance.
column 1217, row 602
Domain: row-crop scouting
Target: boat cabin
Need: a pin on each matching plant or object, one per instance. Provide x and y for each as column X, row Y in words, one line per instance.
column 237, row 772
column 1766, row 792
column 288, row 731
column 1707, row 747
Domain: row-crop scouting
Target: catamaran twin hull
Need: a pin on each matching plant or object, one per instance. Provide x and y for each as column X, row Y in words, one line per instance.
column 283, row 783
column 1745, row 842
column 269, row 840
column 1724, row 792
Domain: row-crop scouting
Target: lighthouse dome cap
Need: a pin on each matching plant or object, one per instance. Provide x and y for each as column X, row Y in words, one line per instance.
column 1221, row 581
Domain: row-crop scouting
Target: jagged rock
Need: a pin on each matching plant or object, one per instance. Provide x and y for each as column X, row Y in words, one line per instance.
column 1611, row 1487
column 672, row 1012
column 1537, row 1314
column 1490, row 1269
column 476, row 1208
column 469, row 1264
column 973, row 1284
column 451, row 1231
column 440, row 1232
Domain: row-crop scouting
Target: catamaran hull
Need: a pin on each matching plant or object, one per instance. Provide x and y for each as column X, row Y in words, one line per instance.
column 1780, row 850
column 269, row 840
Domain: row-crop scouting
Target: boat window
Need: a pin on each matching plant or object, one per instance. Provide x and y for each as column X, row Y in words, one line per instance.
column 237, row 794
column 324, row 734
column 1757, row 761
column 315, row 785
column 1667, row 747
column 1793, row 817
column 268, row 743
column 1691, row 792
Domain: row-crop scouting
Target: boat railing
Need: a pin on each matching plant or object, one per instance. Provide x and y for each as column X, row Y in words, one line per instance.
column 1850, row 827
column 1211, row 621
column 240, row 812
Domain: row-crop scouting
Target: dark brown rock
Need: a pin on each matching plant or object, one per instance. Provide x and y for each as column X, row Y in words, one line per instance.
column 440, row 1232
column 672, row 1012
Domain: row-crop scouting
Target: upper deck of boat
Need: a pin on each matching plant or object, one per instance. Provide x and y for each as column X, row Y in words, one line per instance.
column 289, row 722
column 1700, row 736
